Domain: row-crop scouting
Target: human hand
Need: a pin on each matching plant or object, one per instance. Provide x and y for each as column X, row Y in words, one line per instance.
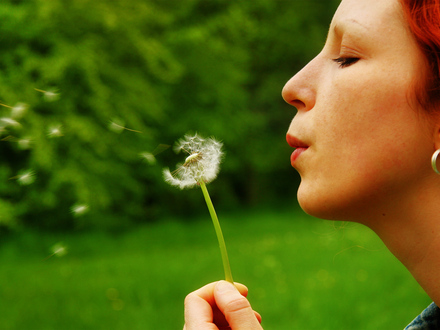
column 220, row 306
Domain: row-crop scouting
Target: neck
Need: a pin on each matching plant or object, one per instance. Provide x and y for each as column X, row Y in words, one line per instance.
column 411, row 231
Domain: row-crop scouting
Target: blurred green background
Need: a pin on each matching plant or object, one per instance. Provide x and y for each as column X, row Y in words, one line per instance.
column 93, row 93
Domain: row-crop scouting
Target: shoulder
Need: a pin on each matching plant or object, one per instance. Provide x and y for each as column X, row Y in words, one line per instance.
column 427, row 320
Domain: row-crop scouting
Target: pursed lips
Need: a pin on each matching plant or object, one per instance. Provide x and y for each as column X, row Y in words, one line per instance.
column 299, row 146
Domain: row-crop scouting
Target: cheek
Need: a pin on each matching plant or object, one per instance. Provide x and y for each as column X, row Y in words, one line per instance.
column 368, row 147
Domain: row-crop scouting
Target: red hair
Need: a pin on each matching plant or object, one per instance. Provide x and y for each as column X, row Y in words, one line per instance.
column 423, row 17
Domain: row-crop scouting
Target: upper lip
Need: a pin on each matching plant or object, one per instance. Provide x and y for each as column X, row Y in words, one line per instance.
column 295, row 142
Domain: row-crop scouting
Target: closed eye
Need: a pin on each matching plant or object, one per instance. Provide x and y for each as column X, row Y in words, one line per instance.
column 346, row 61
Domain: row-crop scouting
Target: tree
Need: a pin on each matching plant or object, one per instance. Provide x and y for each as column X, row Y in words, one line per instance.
column 93, row 74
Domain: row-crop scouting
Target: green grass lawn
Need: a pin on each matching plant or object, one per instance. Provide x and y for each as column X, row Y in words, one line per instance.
column 302, row 273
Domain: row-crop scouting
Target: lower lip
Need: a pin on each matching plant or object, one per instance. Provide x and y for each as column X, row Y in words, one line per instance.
column 296, row 154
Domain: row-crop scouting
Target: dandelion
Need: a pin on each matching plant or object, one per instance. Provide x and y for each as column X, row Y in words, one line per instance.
column 201, row 166
column 25, row 178
column 79, row 209
column 49, row 95
column 55, row 131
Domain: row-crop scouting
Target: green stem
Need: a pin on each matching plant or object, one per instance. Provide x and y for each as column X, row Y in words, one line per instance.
column 218, row 231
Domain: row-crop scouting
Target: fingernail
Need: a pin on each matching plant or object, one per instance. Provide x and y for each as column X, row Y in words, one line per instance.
column 224, row 286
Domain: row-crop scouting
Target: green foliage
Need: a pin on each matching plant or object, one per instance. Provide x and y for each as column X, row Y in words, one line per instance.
column 159, row 67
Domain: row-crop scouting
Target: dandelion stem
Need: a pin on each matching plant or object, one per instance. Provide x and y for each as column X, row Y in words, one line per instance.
column 218, row 231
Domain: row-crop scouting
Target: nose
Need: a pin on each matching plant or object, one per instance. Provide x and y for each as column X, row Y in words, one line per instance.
column 300, row 90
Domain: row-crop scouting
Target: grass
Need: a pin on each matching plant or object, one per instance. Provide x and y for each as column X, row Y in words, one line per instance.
column 302, row 273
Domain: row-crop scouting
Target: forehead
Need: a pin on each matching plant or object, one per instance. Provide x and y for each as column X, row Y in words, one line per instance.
column 383, row 16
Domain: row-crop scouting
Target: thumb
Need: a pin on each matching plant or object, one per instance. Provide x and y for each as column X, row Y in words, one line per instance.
column 235, row 307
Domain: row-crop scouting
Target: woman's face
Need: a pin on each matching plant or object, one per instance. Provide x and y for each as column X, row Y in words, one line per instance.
column 363, row 144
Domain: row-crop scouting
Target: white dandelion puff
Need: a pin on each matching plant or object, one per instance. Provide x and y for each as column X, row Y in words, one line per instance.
column 79, row 209
column 55, row 131
column 201, row 164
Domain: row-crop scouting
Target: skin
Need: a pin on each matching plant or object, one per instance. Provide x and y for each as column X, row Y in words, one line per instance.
column 369, row 142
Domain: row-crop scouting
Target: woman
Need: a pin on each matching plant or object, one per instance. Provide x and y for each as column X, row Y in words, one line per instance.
column 366, row 128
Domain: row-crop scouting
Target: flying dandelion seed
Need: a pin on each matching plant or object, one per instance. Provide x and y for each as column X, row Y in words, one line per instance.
column 117, row 126
column 25, row 178
column 55, row 131
column 24, row 143
column 50, row 95
column 59, row 250
column 148, row 157
column 160, row 148
column 8, row 138
column 79, row 209
column 9, row 122
column 19, row 110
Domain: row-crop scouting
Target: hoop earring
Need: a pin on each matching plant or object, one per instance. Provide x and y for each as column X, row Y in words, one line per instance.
column 434, row 161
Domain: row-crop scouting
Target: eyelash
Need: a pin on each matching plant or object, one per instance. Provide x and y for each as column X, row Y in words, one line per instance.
column 346, row 61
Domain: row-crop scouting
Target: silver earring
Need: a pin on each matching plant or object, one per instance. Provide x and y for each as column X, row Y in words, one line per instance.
column 434, row 161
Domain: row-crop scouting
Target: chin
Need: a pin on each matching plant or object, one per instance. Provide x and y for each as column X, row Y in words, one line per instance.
column 327, row 207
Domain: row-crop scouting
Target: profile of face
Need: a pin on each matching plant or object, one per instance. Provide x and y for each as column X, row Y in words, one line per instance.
column 363, row 144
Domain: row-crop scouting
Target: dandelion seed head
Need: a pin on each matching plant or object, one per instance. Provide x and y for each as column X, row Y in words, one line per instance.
column 201, row 164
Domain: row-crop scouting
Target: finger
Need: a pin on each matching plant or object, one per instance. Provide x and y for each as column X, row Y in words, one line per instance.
column 207, row 292
column 219, row 318
column 258, row 316
column 241, row 288
column 198, row 313
column 236, row 308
